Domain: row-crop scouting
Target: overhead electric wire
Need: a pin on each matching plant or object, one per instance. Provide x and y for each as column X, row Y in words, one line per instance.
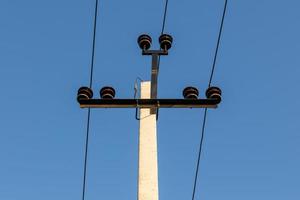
column 89, row 110
column 162, row 32
column 94, row 43
column 218, row 43
column 165, row 16
column 209, row 84
column 163, row 24
column 199, row 153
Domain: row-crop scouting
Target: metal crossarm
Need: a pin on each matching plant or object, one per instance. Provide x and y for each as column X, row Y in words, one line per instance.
column 149, row 103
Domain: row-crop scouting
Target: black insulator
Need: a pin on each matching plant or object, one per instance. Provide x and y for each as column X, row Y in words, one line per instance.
column 165, row 41
column 144, row 41
column 190, row 93
column 214, row 93
column 107, row 92
column 84, row 93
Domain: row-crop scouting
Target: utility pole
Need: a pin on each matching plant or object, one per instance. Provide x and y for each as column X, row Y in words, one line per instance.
column 148, row 105
column 148, row 170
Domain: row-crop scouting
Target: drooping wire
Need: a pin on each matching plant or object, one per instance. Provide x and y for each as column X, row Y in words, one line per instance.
column 89, row 110
column 209, row 84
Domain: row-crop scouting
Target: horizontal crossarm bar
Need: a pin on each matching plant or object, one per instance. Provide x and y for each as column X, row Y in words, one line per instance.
column 148, row 103
column 155, row 52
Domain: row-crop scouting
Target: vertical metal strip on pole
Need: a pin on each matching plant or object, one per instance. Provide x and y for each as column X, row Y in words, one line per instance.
column 154, row 77
column 148, row 170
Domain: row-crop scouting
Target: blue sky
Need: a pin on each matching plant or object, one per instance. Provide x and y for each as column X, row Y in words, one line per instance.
column 251, row 148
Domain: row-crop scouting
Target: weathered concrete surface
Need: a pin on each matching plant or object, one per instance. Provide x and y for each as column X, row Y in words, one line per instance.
column 148, row 172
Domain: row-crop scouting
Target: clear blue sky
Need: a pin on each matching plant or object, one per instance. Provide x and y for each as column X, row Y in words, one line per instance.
column 251, row 149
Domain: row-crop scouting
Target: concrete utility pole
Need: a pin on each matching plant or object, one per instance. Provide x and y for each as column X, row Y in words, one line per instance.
column 148, row 170
column 148, row 105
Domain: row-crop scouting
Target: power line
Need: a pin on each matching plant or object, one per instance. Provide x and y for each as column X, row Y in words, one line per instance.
column 218, row 43
column 94, row 42
column 89, row 110
column 209, row 84
column 199, row 153
column 163, row 24
column 86, row 153
column 165, row 16
column 162, row 31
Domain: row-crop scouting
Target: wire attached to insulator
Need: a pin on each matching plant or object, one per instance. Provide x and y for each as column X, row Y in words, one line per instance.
column 135, row 96
column 209, row 84
column 89, row 110
column 162, row 32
